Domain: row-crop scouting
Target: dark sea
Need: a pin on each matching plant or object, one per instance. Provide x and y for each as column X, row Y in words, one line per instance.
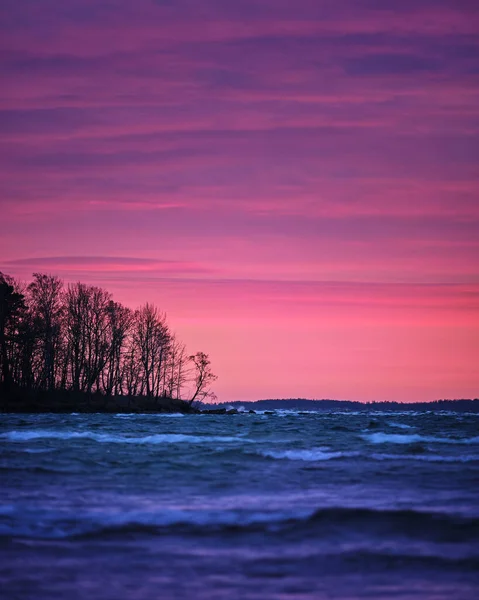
column 287, row 505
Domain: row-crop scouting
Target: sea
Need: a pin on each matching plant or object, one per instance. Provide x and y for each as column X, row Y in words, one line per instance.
column 288, row 505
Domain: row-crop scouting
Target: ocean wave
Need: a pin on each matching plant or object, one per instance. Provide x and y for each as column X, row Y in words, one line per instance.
column 285, row 412
column 36, row 469
column 342, row 428
column 311, row 455
column 280, row 412
column 440, row 526
column 166, row 415
column 94, row 525
column 400, row 425
column 393, row 438
column 159, row 438
column 135, row 415
column 413, row 438
column 325, row 454
column 7, row 509
column 427, row 457
column 37, row 450
column 366, row 559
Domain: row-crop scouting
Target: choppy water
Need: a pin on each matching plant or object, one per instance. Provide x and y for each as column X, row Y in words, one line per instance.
column 288, row 506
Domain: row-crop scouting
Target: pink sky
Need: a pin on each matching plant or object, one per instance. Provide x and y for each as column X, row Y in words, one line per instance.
column 295, row 184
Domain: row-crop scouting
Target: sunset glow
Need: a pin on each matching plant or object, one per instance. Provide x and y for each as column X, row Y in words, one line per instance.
column 294, row 183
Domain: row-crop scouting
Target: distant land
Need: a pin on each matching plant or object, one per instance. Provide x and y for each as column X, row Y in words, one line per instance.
column 67, row 401
column 458, row 405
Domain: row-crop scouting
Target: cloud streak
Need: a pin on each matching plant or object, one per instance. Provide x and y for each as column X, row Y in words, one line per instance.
column 231, row 159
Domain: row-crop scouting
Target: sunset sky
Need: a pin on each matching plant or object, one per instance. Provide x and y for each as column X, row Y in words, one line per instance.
column 295, row 183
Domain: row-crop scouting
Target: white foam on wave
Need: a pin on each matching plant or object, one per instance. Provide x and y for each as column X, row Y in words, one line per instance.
column 167, row 415
column 286, row 412
column 134, row 415
column 412, row 438
column 400, row 425
column 311, row 455
column 158, row 438
column 393, row 438
column 282, row 412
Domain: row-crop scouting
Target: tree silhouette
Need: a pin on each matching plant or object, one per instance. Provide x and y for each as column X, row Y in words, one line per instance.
column 204, row 376
column 12, row 304
column 78, row 338
column 45, row 301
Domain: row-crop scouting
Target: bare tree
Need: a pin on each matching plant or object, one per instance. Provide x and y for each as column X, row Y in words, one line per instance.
column 152, row 339
column 120, row 319
column 177, row 369
column 25, row 349
column 76, row 332
column 131, row 373
column 87, row 335
column 12, row 305
column 80, row 339
column 45, row 300
column 203, row 376
column 98, row 342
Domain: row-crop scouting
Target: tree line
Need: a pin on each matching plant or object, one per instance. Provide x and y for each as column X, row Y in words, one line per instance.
column 76, row 337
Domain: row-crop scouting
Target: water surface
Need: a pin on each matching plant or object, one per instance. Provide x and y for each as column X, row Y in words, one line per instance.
column 289, row 505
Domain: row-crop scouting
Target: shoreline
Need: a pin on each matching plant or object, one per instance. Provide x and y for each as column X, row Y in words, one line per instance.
column 21, row 401
column 69, row 401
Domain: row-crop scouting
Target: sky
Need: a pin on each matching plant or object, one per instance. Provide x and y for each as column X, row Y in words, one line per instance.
column 296, row 184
